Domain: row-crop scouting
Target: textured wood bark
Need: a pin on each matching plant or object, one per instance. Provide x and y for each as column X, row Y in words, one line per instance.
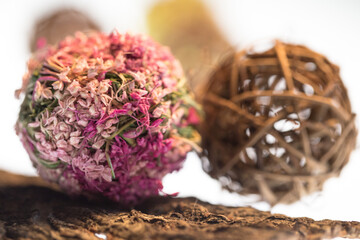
column 33, row 209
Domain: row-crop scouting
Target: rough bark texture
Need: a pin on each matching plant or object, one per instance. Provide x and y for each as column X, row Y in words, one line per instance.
column 32, row 209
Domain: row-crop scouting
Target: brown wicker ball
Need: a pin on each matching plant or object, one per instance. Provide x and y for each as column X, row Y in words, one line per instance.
column 278, row 123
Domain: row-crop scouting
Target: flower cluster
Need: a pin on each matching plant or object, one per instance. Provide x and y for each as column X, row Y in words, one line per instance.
column 107, row 115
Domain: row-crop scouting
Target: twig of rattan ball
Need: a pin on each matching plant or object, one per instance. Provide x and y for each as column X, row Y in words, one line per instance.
column 278, row 123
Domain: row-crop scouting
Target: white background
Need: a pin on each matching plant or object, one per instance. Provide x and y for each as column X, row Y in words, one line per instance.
column 327, row 26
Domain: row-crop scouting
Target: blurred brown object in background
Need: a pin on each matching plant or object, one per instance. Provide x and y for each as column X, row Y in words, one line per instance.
column 278, row 123
column 187, row 27
column 60, row 24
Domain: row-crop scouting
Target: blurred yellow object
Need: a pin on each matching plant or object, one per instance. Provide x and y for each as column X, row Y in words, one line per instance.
column 187, row 27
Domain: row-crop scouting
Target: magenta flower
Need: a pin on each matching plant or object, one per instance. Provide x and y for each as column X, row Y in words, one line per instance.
column 107, row 115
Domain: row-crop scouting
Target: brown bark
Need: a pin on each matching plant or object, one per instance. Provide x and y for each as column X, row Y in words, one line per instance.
column 33, row 209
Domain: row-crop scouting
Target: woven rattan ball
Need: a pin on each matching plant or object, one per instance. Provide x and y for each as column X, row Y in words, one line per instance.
column 277, row 123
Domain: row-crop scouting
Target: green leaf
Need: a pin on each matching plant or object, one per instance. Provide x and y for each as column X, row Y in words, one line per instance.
column 107, row 149
column 130, row 141
column 112, row 75
column 49, row 164
column 186, row 132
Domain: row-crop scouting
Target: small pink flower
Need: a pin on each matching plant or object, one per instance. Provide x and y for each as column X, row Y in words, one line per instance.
column 93, row 85
column 75, row 141
column 169, row 82
column 193, row 117
column 134, row 133
column 139, row 78
column 92, row 73
column 63, row 127
column 104, row 86
column 135, row 96
column 58, row 95
column 124, row 96
column 99, row 156
column 98, row 144
column 120, row 62
column 177, row 116
column 70, row 117
column 75, row 133
column 39, row 136
column 61, row 144
column 63, row 76
column 110, row 122
column 80, row 66
column 82, row 122
column 106, row 175
column 84, row 94
column 74, row 88
column 93, row 111
column 141, row 92
column 41, row 92
column 162, row 109
column 58, row 85
column 34, row 124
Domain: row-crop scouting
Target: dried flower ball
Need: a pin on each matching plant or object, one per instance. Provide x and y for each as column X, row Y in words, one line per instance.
column 278, row 122
column 107, row 115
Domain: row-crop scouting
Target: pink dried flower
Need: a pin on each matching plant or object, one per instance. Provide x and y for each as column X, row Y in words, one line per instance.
column 104, row 115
